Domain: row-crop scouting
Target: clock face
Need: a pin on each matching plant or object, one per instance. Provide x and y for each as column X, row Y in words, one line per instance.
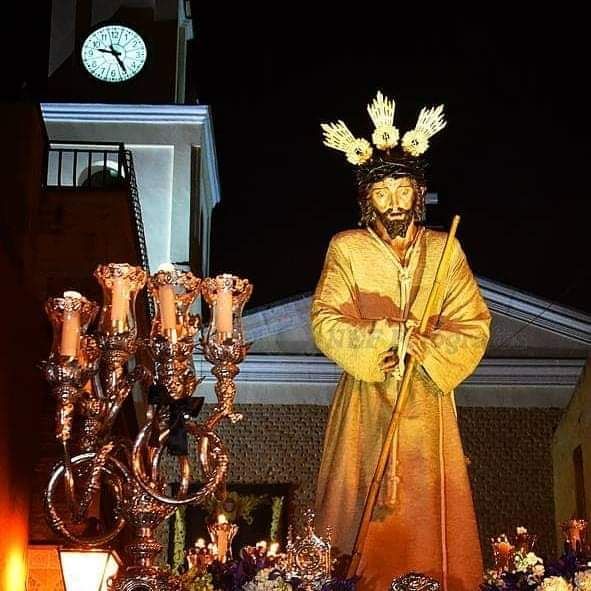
column 114, row 53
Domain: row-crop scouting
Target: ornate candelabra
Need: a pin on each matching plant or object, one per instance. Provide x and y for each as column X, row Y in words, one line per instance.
column 91, row 376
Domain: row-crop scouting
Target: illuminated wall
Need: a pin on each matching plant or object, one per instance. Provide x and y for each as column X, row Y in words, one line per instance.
column 571, row 454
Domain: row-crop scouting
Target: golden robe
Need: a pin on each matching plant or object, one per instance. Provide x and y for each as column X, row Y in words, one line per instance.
column 425, row 518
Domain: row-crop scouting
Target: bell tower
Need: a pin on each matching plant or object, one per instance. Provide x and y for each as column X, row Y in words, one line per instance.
column 164, row 26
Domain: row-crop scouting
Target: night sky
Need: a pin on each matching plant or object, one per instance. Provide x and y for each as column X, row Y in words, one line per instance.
column 512, row 160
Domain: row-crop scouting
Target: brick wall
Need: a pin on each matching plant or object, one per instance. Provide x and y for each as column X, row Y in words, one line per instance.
column 509, row 449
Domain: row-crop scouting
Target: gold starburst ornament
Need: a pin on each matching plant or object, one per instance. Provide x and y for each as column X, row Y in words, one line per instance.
column 385, row 136
column 339, row 137
column 430, row 122
column 381, row 111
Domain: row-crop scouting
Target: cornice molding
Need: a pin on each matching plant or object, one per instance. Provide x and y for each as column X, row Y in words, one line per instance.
column 145, row 114
column 317, row 370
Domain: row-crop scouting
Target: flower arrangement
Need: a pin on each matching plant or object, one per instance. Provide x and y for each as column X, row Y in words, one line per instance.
column 259, row 568
column 267, row 580
column 526, row 572
column 192, row 580
column 518, row 568
column 264, row 568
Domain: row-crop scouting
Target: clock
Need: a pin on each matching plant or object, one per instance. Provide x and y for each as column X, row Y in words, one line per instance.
column 113, row 53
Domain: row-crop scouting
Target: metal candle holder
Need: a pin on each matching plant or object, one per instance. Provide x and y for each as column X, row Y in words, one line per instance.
column 90, row 389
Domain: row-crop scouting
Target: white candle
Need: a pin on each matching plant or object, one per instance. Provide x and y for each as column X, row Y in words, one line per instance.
column 167, row 308
column 200, row 543
column 223, row 309
column 222, row 531
column 166, row 267
column 262, row 546
column 167, row 305
column 70, row 338
column 119, row 303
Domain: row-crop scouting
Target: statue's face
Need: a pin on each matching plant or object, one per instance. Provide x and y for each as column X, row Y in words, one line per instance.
column 393, row 200
column 393, row 195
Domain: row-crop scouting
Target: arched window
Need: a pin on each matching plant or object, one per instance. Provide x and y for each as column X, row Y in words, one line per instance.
column 99, row 175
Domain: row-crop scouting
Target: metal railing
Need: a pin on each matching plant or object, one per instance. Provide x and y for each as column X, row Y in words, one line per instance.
column 97, row 165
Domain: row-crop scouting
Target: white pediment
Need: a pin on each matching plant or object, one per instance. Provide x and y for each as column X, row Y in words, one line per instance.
column 536, row 353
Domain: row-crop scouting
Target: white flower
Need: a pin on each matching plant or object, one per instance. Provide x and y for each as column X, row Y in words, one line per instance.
column 527, row 562
column 492, row 578
column 521, row 530
column 262, row 583
column 555, row 584
column 538, row 571
column 583, row 581
column 536, row 574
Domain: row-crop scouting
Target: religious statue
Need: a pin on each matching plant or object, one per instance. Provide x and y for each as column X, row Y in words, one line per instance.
column 366, row 316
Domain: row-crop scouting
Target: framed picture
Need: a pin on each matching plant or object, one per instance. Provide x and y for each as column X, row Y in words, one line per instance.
column 259, row 510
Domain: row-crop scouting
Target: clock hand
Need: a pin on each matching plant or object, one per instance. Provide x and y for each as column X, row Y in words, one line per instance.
column 116, row 55
column 121, row 64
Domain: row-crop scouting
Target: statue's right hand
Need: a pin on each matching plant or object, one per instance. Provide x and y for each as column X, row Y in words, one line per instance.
column 389, row 362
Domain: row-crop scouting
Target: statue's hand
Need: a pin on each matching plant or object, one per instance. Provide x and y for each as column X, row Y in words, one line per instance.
column 418, row 345
column 389, row 362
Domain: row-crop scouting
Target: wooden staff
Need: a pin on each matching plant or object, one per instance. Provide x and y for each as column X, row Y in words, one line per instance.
column 378, row 475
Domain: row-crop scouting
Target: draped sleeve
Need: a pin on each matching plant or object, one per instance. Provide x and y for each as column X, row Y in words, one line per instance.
column 461, row 332
column 357, row 345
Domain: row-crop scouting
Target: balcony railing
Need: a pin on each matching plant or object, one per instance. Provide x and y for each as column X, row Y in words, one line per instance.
column 85, row 166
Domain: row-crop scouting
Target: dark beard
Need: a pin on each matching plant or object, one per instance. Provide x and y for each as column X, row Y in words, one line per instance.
column 395, row 227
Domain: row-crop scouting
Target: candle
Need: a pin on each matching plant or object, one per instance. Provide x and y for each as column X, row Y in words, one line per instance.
column 574, row 536
column 273, row 549
column 119, row 303
column 70, row 327
column 223, row 309
column 222, row 531
column 504, row 553
column 213, row 549
column 166, row 267
column 262, row 545
column 167, row 306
